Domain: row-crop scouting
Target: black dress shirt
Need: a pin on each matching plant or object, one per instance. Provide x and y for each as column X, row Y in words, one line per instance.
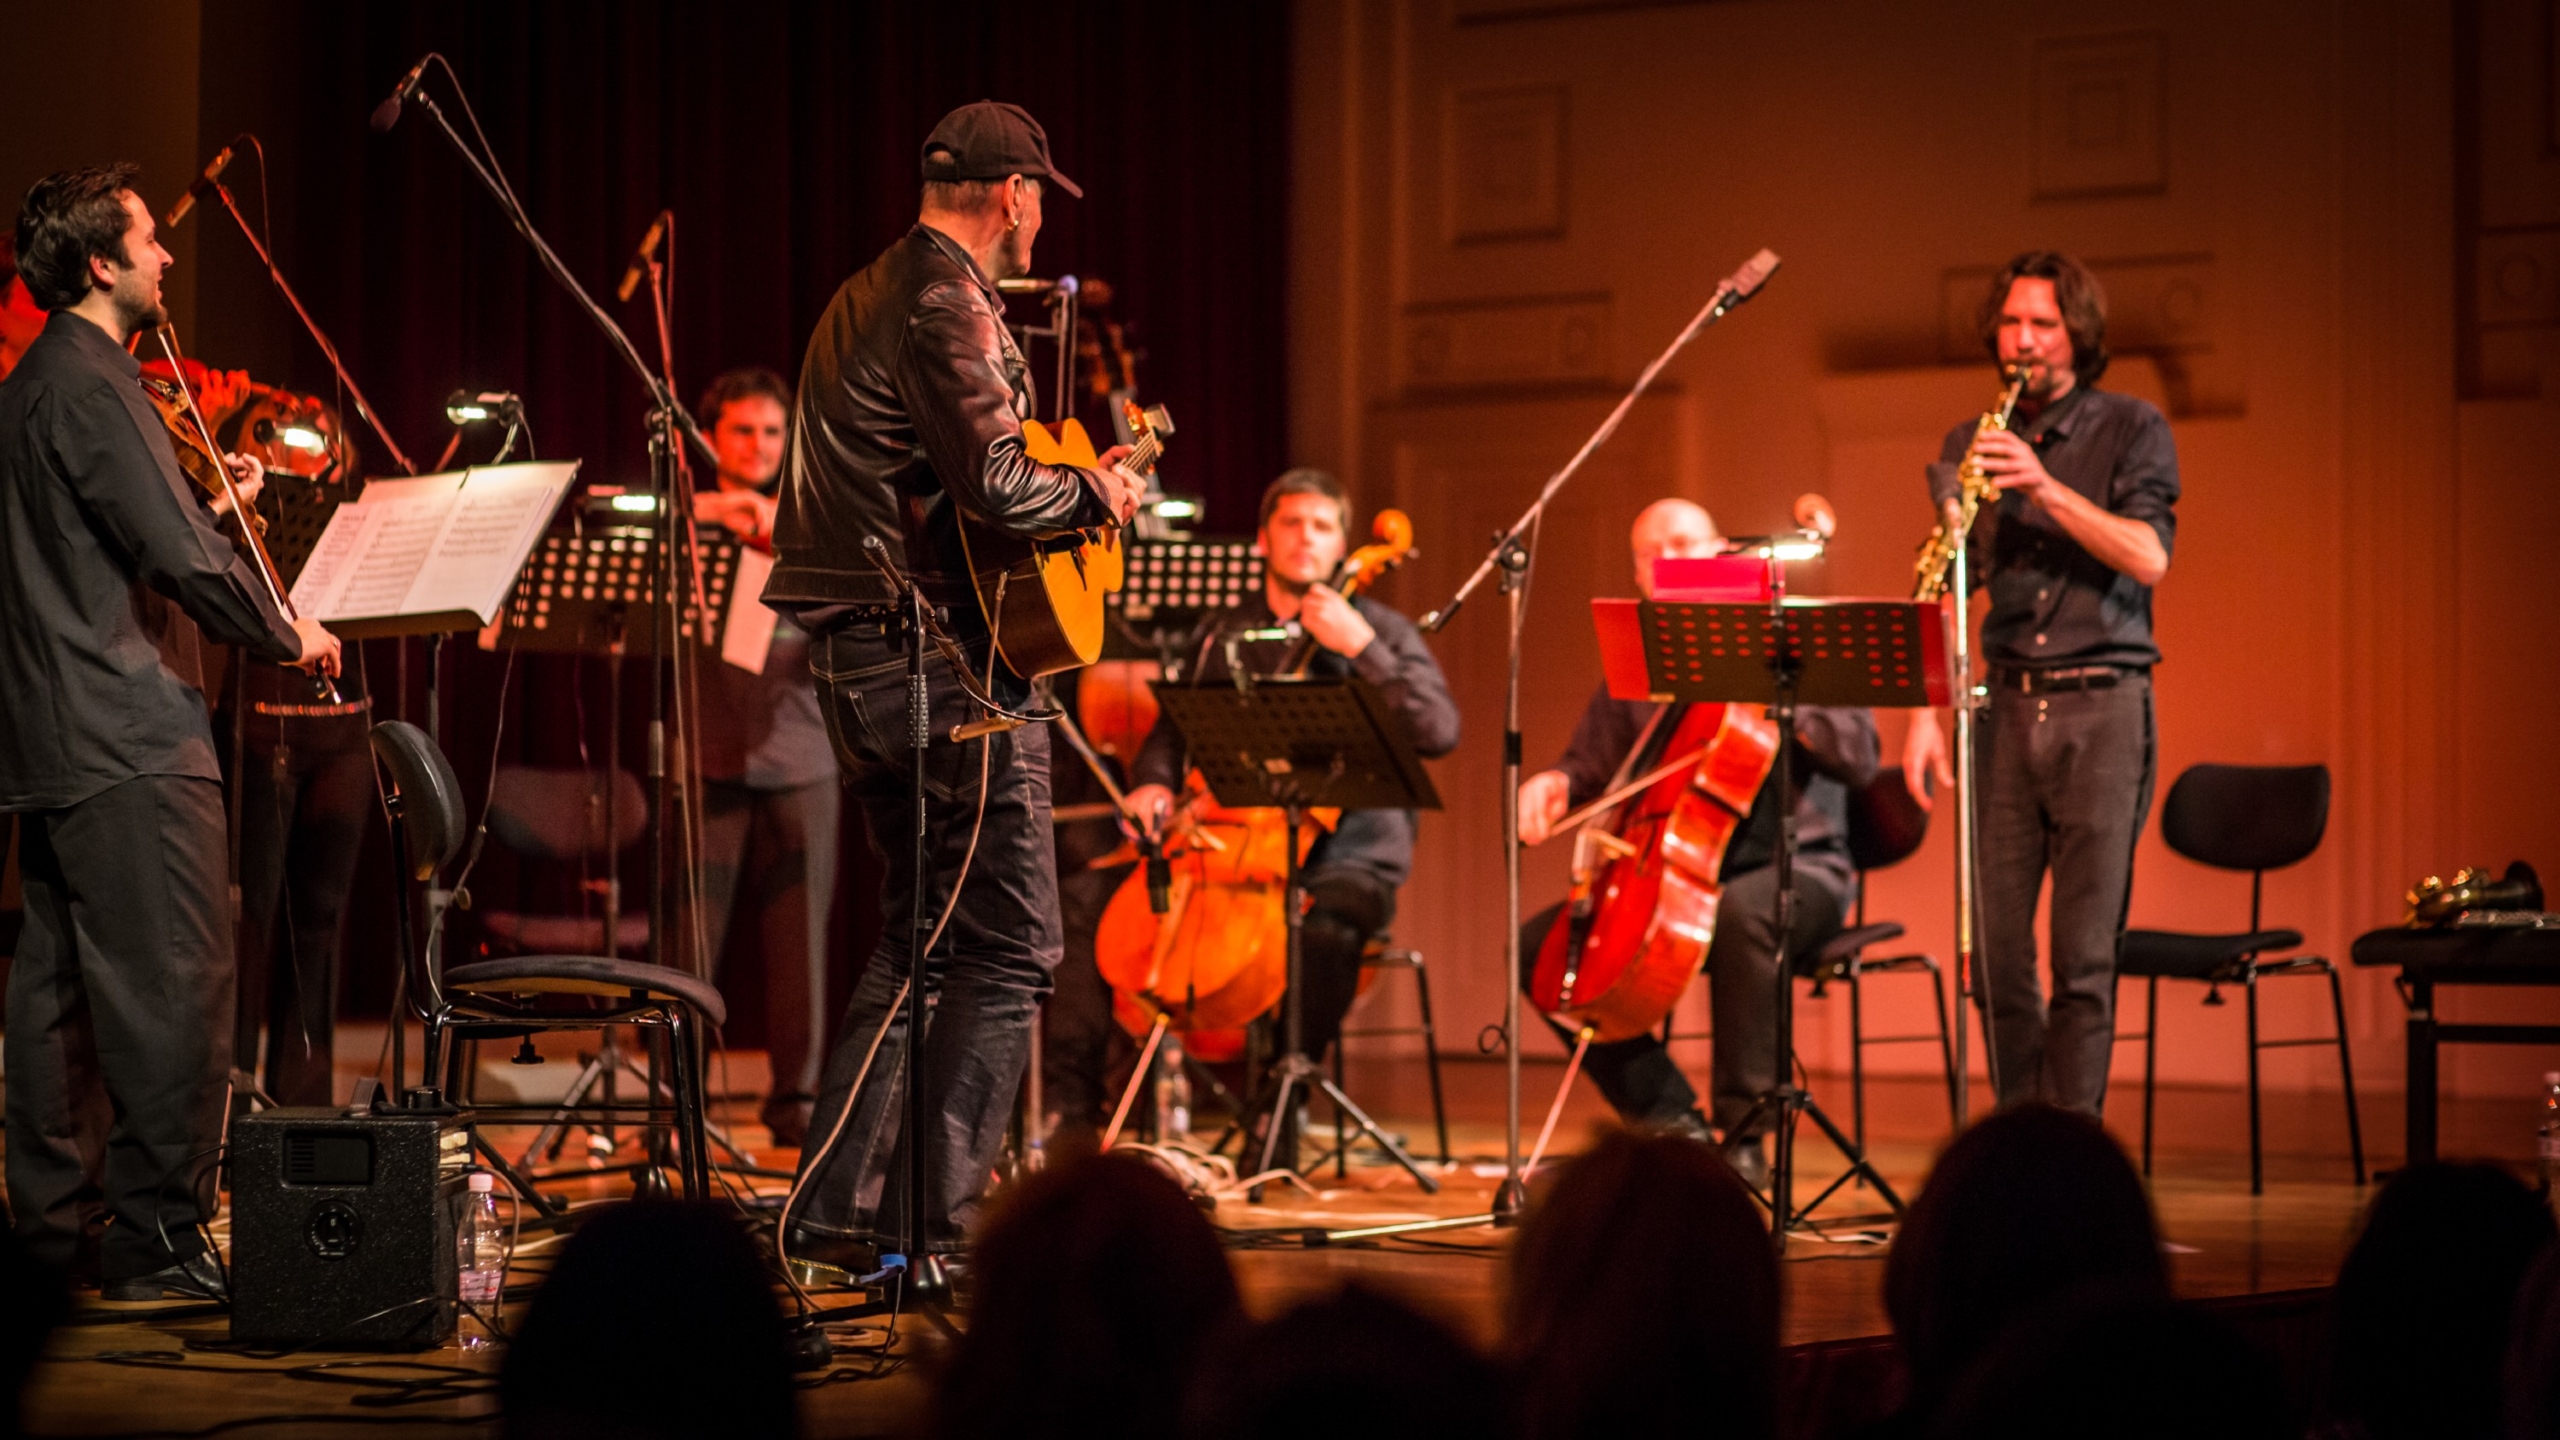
column 1405, row 672
column 106, row 552
column 1836, row 749
column 2053, row 604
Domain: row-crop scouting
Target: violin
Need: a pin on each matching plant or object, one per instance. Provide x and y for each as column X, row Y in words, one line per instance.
column 1217, row 957
column 1642, row 910
column 191, row 436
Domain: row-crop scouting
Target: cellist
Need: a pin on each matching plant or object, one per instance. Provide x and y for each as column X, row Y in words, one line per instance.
column 1836, row 750
column 1353, row 873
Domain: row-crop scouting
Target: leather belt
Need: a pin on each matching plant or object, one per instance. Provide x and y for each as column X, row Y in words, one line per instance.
column 2078, row 677
column 343, row 707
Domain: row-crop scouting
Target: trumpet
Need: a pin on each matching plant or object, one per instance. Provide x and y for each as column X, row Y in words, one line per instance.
column 1938, row 552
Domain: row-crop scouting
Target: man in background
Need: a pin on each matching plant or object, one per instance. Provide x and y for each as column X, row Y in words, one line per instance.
column 770, row 797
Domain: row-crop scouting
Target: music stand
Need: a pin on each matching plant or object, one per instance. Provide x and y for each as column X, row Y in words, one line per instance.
column 575, row 595
column 1299, row 744
column 1170, row 591
column 1883, row 653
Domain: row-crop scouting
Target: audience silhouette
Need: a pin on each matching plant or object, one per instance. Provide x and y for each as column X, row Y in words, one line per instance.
column 2424, row 1302
column 1644, row 1299
column 33, row 1299
column 2116, row 1363
column 658, row 1320
column 1096, row 1286
column 1353, row 1365
column 2024, row 1209
column 2533, row 1354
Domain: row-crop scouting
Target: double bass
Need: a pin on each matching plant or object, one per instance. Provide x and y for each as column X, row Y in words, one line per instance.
column 1217, row 957
column 1642, row 911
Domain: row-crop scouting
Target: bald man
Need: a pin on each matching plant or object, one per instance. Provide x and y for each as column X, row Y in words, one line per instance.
column 1835, row 752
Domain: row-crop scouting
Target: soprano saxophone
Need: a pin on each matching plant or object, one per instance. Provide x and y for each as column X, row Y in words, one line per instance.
column 1938, row 552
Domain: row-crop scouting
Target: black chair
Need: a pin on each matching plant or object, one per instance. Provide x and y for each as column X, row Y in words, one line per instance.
column 2239, row 817
column 1886, row 827
column 520, row 996
column 566, row 817
column 1377, row 957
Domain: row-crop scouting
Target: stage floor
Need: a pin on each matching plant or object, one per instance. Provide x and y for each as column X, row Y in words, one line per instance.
column 125, row 1369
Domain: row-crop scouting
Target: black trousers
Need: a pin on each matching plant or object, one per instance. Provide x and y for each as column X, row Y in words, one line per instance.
column 2065, row 784
column 1638, row 1077
column 1346, row 907
column 983, row 979
column 305, row 789
column 120, row 1010
column 771, row 854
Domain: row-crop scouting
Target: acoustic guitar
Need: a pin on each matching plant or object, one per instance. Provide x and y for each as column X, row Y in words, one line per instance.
column 1043, row 598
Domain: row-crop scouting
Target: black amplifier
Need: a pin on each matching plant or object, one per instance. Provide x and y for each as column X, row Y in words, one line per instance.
column 342, row 1227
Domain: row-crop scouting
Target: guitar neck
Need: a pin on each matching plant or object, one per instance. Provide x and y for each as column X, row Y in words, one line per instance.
column 1143, row 456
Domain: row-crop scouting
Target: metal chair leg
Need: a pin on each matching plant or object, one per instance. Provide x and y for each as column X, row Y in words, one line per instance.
column 2346, row 1071
column 2150, row 1064
column 1857, row 1062
column 1341, row 1126
column 685, row 1073
column 2257, row 1163
column 1946, row 1041
column 1431, row 1054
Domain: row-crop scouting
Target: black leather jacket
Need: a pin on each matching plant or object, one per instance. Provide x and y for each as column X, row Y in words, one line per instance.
column 912, row 398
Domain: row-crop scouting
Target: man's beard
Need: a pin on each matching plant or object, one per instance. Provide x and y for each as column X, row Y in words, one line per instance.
column 136, row 310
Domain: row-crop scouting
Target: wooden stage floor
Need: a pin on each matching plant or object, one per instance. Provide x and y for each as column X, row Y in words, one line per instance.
column 130, row 1369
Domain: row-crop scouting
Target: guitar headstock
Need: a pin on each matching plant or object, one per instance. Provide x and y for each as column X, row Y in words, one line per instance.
column 1147, row 420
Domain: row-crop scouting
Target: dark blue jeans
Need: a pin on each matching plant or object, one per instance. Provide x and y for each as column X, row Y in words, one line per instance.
column 984, row 977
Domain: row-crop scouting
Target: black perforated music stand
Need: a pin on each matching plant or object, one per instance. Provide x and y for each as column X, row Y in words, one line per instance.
column 1299, row 744
column 579, row 587
column 1780, row 653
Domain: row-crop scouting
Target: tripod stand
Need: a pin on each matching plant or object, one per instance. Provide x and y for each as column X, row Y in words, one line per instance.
column 1856, row 652
column 1297, row 744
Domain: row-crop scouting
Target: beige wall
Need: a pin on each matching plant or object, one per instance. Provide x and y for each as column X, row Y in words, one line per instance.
column 2322, row 255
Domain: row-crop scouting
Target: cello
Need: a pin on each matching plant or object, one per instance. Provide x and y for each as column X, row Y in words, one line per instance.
column 1217, row 957
column 1642, row 911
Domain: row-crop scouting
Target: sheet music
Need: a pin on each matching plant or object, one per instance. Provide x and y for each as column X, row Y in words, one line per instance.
column 494, row 521
column 431, row 544
column 747, row 638
column 333, row 561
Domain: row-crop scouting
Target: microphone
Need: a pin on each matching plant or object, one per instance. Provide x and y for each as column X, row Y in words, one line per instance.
column 1025, row 285
column 387, row 114
column 204, row 184
column 1746, row 281
column 640, row 259
column 1813, row 513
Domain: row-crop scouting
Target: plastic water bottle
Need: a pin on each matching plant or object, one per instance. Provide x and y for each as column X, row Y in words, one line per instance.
column 1173, row 1093
column 480, row 1250
column 2550, row 1138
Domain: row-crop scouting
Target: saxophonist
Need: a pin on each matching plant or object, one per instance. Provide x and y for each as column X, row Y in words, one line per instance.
column 2075, row 531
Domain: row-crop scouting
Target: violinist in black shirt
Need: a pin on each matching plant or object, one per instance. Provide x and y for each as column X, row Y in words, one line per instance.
column 120, row 998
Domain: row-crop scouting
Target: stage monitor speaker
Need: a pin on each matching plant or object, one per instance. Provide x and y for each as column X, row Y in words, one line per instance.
column 342, row 1227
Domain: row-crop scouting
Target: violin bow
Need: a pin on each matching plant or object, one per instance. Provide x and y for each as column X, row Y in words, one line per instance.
column 260, row 561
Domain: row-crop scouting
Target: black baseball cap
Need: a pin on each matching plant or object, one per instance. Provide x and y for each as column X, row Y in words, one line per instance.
column 988, row 141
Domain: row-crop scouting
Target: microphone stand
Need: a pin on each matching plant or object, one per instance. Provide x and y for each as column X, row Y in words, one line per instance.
column 1511, row 556
column 328, row 351
column 669, row 426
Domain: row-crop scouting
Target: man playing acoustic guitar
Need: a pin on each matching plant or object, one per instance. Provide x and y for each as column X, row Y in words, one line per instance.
column 910, row 411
